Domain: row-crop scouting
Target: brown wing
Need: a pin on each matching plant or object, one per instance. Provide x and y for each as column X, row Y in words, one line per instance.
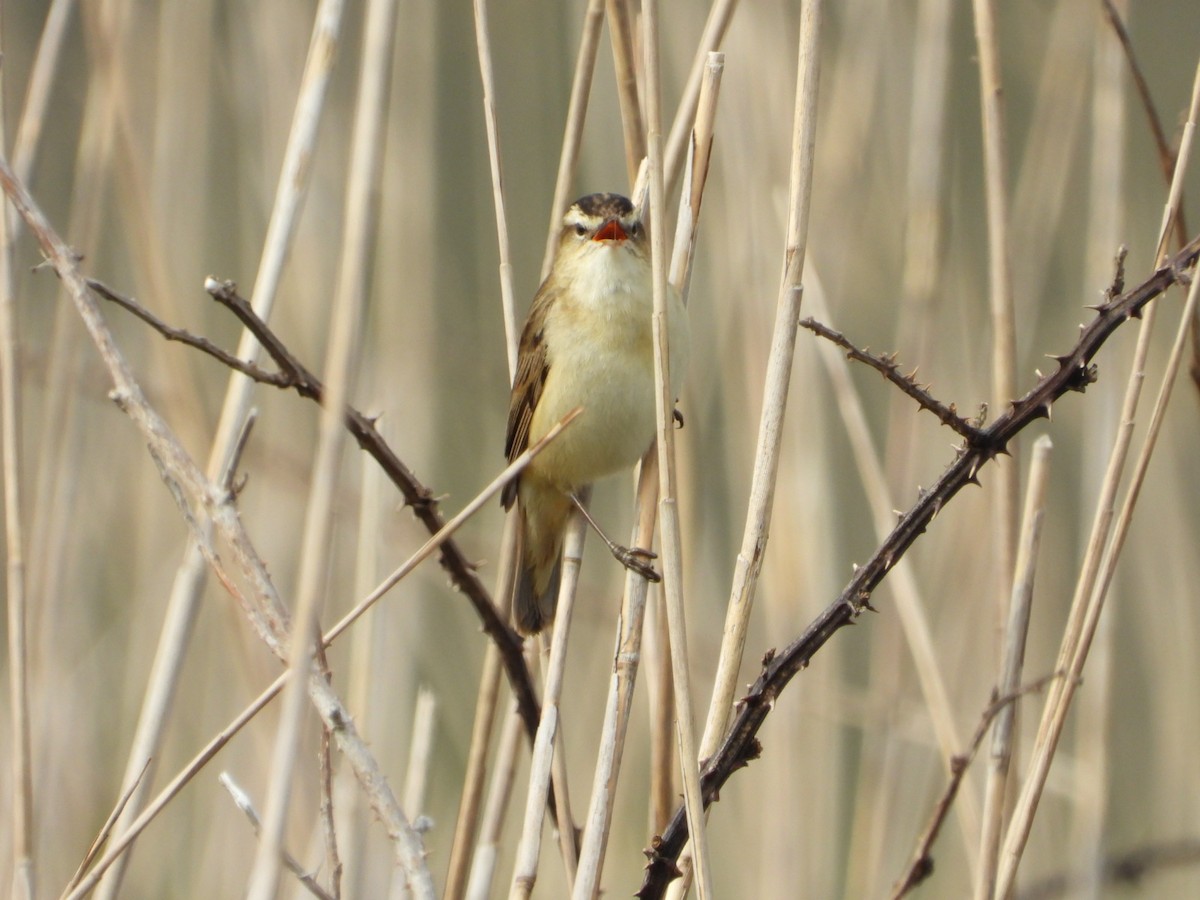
column 532, row 368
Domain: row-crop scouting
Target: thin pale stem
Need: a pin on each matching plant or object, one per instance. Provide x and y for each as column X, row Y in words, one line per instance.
column 528, row 852
column 1103, row 548
column 1054, row 717
column 486, row 705
column 775, row 392
column 1004, row 378
column 347, row 309
column 503, row 774
column 190, row 577
column 720, row 14
column 620, row 32
column 1107, row 147
column 1003, row 729
column 487, row 77
column 672, row 550
column 488, row 693
column 38, row 93
column 365, row 657
column 214, row 746
column 620, row 696
column 416, row 777
column 581, row 87
column 14, row 562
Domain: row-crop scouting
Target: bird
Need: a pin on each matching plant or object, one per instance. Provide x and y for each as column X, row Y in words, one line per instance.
column 587, row 342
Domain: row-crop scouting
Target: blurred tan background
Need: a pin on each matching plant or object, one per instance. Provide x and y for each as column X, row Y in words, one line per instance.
column 159, row 161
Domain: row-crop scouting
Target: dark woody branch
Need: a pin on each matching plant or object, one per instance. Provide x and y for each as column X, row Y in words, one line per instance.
column 249, row 369
column 886, row 366
column 1074, row 372
column 1167, row 154
column 920, row 866
column 292, row 374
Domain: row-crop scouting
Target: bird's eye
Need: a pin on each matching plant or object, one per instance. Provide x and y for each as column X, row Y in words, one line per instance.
column 581, row 229
column 635, row 229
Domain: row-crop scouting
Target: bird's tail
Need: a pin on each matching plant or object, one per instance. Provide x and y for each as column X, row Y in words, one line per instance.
column 544, row 515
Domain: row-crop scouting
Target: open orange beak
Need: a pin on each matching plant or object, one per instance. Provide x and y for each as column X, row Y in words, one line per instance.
column 611, row 231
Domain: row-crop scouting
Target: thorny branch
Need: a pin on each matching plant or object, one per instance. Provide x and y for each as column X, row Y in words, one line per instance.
column 887, row 367
column 294, row 375
column 1074, row 372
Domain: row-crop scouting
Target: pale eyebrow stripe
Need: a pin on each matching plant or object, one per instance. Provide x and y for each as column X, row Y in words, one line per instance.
column 576, row 216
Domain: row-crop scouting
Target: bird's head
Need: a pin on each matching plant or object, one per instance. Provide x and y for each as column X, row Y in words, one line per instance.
column 605, row 220
column 603, row 244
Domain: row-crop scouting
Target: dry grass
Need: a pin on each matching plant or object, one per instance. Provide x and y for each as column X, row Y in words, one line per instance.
column 161, row 143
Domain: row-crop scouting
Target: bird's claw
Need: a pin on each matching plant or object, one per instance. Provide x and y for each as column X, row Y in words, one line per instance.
column 638, row 560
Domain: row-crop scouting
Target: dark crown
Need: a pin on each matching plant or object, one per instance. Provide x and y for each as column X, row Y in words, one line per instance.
column 604, row 206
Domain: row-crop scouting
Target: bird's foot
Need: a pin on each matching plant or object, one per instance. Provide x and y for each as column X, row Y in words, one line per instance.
column 637, row 560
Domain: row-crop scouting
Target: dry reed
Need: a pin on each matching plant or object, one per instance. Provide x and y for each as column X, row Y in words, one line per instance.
column 169, row 141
